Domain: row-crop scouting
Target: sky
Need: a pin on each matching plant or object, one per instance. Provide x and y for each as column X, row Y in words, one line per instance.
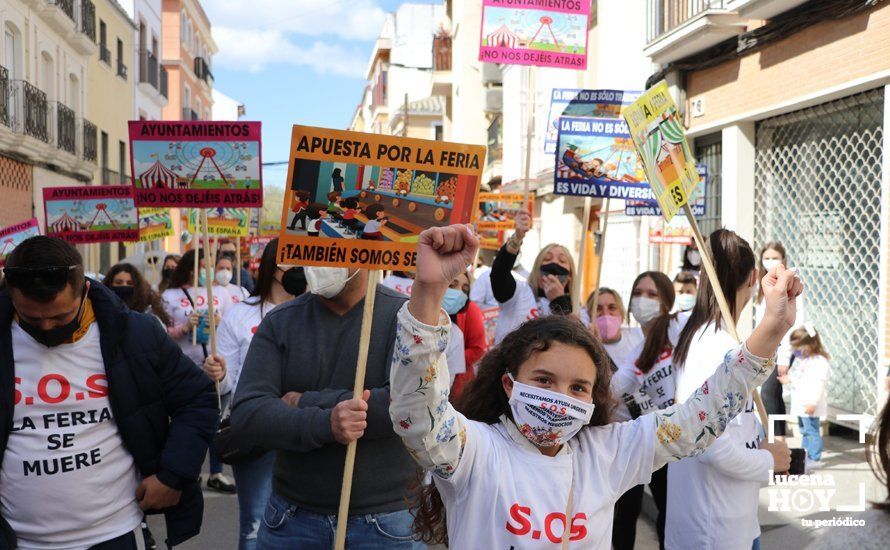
column 294, row 62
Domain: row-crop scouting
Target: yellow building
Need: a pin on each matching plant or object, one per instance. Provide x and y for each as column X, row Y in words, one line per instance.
column 111, row 103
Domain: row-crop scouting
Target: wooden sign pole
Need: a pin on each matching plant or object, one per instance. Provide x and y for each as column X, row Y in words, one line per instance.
column 196, row 270
column 211, row 317
column 725, row 312
column 602, row 254
column 531, row 99
column 357, row 390
column 238, row 262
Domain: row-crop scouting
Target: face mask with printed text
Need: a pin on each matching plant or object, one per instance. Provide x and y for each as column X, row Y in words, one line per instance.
column 547, row 418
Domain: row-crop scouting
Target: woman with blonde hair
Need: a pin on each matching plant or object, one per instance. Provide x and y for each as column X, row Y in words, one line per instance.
column 549, row 289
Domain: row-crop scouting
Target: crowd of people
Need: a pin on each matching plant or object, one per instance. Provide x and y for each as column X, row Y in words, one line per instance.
column 542, row 434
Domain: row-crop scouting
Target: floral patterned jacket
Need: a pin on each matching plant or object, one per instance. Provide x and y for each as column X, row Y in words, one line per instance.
column 435, row 433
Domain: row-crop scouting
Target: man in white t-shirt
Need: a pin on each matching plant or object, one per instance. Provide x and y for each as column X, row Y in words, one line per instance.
column 87, row 392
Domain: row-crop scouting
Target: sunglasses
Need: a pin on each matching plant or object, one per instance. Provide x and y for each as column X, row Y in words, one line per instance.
column 49, row 276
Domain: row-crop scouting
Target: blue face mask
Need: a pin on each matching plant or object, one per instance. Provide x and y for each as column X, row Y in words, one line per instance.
column 202, row 278
column 454, row 301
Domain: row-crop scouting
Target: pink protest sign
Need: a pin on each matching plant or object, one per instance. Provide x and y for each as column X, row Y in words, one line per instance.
column 11, row 236
column 197, row 164
column 546, row 33
column 82, row 215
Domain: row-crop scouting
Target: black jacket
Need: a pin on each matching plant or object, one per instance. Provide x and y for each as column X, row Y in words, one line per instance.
column 164, row 406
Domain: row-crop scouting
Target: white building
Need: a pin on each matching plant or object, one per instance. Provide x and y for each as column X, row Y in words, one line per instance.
column 45, row 137
column 615, row 61
column 226, row 108
column 151, row 80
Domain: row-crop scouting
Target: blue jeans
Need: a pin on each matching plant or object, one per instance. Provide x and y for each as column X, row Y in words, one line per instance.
column 812, row 440
column 756, row 545
column 254, row 481
column 286, row 526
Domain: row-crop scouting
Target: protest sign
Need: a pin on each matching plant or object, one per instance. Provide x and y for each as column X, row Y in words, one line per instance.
column 256, row 246
column 491, row 239
column 11, row 236
column 651, row 208
column 361, row 200
column 154, row 224
column 83, row 215
column 596, row 158
column 573, row 102
column 490, row 322
column 198, row 164
column 498, row 210
column 657, row 132
column 531, row 32
column 229, row 222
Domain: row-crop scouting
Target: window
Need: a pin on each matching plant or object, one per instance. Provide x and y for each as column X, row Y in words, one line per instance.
column 104, row 156
column 47, row 76
column 121, row 66
column 74, row 92
column 13, row 51
column 437, row 132
column 122, row 160
column 104, row 52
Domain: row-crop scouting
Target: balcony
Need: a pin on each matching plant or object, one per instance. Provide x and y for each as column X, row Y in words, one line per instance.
column 189, row 114
column 121, row 69
column 202, row 71
column 65, row 127
column 90, row 137
column 163, row 81
column 762, row 9
column 59, row 14
column 148, row 69
column 84, row 41
column 104, row 54
column 34, row 113
column 680, row 28
column 442, row 79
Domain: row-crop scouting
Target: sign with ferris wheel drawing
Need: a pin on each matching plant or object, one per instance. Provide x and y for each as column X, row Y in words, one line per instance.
column 83, row 215
column 11, row 236
column 551, row 33
column 196, row 164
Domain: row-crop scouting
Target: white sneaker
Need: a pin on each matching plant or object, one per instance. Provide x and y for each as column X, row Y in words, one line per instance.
column 811, row 464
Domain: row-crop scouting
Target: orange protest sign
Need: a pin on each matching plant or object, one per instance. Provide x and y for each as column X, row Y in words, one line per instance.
column 498, row 210
column 361, row 200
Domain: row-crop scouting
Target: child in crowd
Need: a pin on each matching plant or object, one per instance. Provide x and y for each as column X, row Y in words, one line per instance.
column 809, row 394
column 685, row 288
column 531, row 460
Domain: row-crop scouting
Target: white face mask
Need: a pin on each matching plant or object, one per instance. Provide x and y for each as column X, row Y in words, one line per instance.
column 768, row 265
column 223, row 277
column 645, row 309
column 547, row 418
column 327, row 281
column 684, row 302
column 694, row 257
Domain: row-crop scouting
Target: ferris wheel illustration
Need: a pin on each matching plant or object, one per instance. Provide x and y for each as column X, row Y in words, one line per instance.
column 202, row 162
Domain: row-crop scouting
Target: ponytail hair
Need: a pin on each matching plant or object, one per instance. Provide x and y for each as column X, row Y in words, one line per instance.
column 657, row 340
column 733, row 262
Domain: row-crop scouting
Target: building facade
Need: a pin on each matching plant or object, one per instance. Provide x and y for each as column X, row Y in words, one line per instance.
column 46, row 138
column 788, row 102
column 150, row 76
column 187, row 55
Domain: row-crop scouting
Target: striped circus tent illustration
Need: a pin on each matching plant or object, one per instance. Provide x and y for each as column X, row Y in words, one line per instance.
column 65, row 224
column 503, row 38
column 158, row 176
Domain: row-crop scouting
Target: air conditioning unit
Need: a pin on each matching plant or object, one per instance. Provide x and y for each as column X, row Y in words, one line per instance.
column 491, row 73
column 494, row 100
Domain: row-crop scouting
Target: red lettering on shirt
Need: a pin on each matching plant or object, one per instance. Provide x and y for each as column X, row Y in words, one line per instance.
column 522, row 520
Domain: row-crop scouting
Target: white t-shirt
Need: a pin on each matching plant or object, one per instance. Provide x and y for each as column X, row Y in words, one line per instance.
column 454, row 353
column 809, row 379
column 624, row 385
column 658, row 383
column 236, row 293
column 399, row 284
column 67, row 481
column 480, row 290
column 179, row 307
column 521, row 307
column 712, row 498
column 233, row 338
column 524, row 493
